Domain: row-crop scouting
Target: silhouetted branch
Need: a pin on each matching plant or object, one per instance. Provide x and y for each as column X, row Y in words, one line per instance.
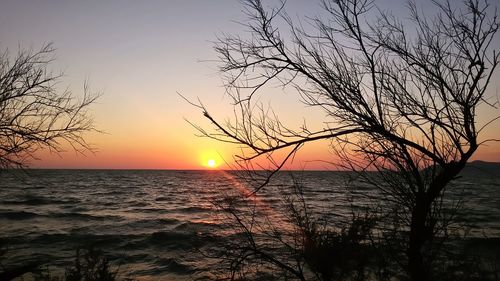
column 33, row 114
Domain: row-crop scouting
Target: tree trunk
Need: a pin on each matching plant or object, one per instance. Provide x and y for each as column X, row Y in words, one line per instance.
column 421, row 230
column 418, row 266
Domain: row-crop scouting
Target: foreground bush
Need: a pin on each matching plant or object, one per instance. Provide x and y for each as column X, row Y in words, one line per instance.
column 89, row 265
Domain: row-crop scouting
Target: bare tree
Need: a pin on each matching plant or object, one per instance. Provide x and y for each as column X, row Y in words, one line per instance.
column 33, row 114
column 401, row 99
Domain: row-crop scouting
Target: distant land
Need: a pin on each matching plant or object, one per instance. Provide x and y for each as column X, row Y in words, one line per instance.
column 481, row 168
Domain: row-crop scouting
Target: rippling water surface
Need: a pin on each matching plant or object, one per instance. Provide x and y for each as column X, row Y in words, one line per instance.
column 150, row 223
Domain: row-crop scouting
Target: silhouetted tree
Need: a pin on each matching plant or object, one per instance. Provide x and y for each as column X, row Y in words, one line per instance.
column 401, row 99
column 33, row 114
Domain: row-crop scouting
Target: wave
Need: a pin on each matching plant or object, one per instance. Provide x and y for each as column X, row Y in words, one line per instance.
column 83, row 216
column 175, row 266
column 37, row 201
column 165, row 237
column 18, row 215
column 71, row 241
column 196, row 226
column 179, row 240
column 139, row 204
column 152, row 223
column 194, row 209
column 25, row 215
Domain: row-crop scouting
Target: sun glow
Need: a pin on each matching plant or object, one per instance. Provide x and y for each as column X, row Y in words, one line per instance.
column 210, row 159
column 211, row 163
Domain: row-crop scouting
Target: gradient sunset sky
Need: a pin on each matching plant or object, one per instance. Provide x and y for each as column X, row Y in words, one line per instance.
column 139, row 54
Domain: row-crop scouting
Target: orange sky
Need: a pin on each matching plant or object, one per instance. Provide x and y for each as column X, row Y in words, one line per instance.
column 139, row 55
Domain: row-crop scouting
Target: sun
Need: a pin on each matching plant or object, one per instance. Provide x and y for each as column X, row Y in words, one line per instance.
column 210, row 159
column 211, row 163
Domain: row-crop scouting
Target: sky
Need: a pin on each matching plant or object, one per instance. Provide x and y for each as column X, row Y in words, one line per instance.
column 139, row 55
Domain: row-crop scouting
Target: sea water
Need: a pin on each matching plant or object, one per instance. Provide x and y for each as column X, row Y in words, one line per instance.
column 152, row 225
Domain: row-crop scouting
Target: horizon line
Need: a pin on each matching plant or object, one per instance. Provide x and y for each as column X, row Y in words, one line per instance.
column 201, row 169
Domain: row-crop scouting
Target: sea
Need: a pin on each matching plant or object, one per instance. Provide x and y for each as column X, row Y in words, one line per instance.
column 156, row 225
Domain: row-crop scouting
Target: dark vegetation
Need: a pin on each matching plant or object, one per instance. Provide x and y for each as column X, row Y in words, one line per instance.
column 90, row 264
